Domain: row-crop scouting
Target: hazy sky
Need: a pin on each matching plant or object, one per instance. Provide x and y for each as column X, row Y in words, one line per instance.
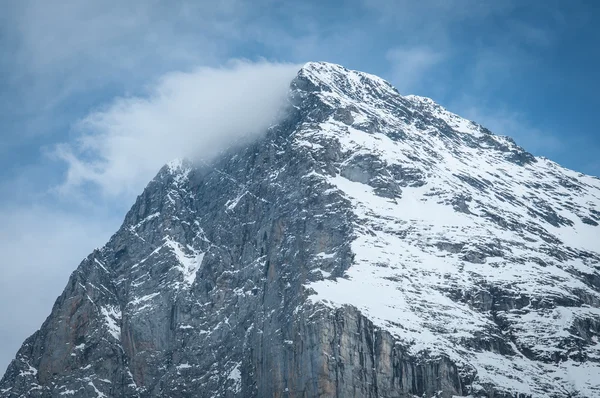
column 96, row 95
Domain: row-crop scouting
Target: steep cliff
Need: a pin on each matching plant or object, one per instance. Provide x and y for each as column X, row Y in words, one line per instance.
column 369, row 245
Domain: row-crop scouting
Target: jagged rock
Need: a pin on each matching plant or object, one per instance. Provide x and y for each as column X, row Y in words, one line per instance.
column 369, row 245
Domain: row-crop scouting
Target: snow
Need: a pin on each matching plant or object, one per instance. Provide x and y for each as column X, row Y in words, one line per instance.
column 139, row 300
column 230, row 205
column 145, row 220
column 183, row 366
column 404, row 277
column 101, row 265
column 189, row 260
column 236, row 376
column 458, row 123
column 144, row 300
column 324, row 255
column 155, row 251
column 180, row 169
column 99, row 394
column 30, row 371
column 112, row 319
column 410, row 252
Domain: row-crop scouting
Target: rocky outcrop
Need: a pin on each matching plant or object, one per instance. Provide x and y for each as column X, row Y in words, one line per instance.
column 369, row 245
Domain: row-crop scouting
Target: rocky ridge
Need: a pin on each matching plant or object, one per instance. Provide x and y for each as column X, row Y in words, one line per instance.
column 370, row 245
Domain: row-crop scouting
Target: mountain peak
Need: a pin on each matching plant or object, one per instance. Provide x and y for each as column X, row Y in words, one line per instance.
column 370, row 244
column 324, row 69
column 356, row 89
column 338, row 79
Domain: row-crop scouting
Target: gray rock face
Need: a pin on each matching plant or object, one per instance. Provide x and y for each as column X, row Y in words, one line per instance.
column 369, row 245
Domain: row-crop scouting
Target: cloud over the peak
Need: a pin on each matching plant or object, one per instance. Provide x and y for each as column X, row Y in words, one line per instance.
column 193, row 114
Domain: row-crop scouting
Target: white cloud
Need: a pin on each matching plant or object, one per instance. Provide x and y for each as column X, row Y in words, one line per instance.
column 115, row 35
column 195, row 114
column 61, row 56
column 410, row 65
column 40, row 247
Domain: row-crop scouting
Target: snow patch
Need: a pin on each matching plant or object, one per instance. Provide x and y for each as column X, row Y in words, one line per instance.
column 99, row 394
column 189, row 261
column 463, row 196
column 236, row 376
column 112, row 319
column 30, row 371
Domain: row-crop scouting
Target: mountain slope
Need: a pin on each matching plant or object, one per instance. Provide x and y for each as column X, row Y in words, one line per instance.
column 371, row 244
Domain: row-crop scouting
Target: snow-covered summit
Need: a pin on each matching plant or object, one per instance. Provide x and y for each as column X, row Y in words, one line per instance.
column 344, row 88
column 462, row 234
column 370, row 245
column 337, row 76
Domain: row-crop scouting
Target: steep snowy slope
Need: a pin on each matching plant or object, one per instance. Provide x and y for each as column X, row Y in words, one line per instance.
column 370, row 245
column 484, row 253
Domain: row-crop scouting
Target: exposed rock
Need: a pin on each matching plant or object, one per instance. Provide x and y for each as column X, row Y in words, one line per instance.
column 369, row 245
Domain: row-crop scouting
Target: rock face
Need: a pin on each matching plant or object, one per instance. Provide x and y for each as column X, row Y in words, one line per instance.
column 369, row 245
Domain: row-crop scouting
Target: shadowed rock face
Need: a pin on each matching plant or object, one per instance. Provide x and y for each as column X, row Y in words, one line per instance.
column 369, row 245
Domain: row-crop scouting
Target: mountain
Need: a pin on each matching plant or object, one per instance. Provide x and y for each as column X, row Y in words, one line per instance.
column 369, row 245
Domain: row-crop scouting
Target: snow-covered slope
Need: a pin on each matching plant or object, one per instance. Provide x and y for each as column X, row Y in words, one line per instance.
column 370, row 245
column 482, row 239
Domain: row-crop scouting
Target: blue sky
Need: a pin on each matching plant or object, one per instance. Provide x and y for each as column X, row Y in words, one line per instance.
column 522, row 68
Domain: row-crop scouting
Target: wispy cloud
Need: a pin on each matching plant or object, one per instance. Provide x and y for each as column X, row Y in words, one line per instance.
column 194, row 114
column 56, row 50
column 63, row 58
